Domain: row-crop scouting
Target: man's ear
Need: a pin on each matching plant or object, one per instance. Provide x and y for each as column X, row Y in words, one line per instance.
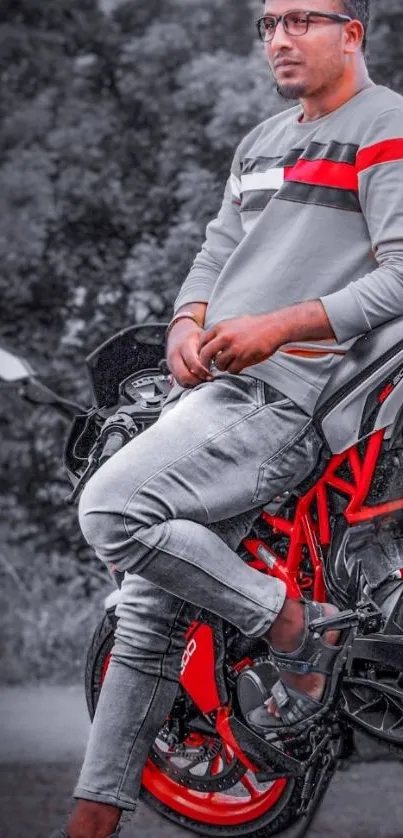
column 354, row 34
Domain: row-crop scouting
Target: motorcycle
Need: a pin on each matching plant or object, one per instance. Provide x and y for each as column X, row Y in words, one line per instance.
column 208, row 770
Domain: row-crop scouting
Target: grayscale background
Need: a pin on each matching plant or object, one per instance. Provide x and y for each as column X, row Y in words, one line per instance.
column 118, row 124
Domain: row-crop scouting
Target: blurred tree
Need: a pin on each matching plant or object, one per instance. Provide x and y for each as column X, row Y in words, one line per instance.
column 117, row 135
column 385, row 47
column 118, row 124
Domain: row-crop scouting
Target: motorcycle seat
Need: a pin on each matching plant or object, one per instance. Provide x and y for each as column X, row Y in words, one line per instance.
column 365, row 392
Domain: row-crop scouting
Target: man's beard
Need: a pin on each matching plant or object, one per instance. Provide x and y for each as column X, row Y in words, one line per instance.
column 290, row 91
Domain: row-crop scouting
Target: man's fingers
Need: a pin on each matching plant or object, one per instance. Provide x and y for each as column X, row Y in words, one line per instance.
column 195, row 366
column 208, row 352
column 235, row 366
column 183, row 375
column 192, row 369
column 222, row 360
column 205, row 337
column 226, row 361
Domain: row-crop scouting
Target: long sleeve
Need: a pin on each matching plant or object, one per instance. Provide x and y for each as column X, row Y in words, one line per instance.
column 223, row 235
column 378, row 296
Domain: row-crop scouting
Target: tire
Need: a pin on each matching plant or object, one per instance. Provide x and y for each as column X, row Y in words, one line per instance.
column 97, row 660
column 280, row 815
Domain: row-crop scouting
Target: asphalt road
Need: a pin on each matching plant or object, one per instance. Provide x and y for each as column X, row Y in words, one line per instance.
column 42, row 738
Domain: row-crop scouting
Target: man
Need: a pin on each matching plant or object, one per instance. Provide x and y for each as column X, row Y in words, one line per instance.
column 305, row 255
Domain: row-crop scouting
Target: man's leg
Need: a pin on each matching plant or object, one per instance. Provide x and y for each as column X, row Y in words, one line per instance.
column 151, row 509
column 227, row 447
column 137, row 694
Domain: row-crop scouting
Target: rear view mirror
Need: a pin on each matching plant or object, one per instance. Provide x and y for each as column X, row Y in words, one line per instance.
column 13, row 367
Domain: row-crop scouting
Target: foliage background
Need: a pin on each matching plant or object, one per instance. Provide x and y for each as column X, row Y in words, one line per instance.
column 118, row 124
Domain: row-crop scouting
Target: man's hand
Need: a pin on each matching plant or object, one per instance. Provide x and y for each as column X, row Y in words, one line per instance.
column 243, row 341
column 183, row 354
column 240, row 342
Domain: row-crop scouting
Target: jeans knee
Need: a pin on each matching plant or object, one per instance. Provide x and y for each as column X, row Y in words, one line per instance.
column 99, row 524
column 119, row 517
column 131, row 650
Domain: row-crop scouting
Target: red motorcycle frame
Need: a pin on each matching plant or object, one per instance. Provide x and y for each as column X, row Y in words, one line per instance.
column 308, row 534
column 305, row 533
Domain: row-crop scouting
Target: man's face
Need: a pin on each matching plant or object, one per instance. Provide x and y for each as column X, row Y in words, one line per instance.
column 317, row 58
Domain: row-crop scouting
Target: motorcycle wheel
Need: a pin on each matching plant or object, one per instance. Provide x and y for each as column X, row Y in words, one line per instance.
column 244, row 808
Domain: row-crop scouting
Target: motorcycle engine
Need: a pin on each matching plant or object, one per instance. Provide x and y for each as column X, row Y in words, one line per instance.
column 361, row 559
column 366, row 564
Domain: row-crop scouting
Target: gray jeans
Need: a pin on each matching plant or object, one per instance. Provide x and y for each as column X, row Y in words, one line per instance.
column 171, row 508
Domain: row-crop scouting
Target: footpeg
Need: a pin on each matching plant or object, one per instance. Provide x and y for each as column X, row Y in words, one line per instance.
column 367, row 618
column 264, row 753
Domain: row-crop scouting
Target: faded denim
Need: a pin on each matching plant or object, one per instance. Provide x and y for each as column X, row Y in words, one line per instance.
column 170, row 509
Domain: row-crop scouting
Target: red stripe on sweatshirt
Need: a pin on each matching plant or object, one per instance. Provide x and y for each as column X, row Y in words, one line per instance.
column 384, row 152
column 323, row 173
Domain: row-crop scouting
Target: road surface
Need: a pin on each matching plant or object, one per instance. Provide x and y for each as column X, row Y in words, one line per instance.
column 43, row 734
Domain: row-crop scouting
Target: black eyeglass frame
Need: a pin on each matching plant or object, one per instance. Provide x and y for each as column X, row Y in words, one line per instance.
column 337, row 18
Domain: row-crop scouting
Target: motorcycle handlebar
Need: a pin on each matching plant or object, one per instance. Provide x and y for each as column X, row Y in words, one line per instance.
column 114, row 442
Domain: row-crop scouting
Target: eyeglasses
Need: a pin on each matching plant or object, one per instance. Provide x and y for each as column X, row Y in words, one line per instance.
column 295, row 23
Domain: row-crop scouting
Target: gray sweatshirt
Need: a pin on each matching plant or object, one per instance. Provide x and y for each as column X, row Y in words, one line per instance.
column 311, row 210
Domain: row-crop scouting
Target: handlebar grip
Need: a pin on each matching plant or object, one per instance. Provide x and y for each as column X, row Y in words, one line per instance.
column 114, row 443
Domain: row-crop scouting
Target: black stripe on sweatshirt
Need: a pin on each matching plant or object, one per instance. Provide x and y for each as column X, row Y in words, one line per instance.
column 256, row 199
column 261, row 164
column 321, row 196
column 333, row 151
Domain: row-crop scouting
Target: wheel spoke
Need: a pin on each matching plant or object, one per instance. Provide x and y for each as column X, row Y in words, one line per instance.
column 215, row 766
column 248, row 785
column 217, row 795
column 227, row 754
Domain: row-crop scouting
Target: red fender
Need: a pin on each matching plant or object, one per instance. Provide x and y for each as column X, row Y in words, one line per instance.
column 198, row 676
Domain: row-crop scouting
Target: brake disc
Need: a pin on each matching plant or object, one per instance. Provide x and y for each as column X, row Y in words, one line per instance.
column 228, row 775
